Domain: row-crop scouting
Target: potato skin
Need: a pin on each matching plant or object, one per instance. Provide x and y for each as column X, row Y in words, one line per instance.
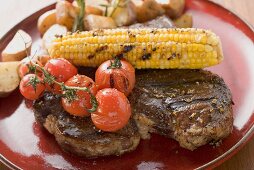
column 65, row 14
column 93, row 10
column 46, row 20
column 50, row 34
column 9, row 79
column 184, row 21
column 125, row 16
column 147, row 10
column 16, row 49
column 174, row 8
column 98, row 22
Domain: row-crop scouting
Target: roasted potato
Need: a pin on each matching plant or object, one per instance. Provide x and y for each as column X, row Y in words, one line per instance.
column 97, row 4
column 51, row 33
column 93, row 10
column 18, row 47
column 90, row 9
column 65, row 14
column 147, row 10
column 173, row 8
column 98, row 22
column 9, row 78
column 46, row 20
column 125, row 15
column 184, row 21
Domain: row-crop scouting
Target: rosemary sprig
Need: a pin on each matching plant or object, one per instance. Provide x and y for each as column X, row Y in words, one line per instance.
column 79, row 20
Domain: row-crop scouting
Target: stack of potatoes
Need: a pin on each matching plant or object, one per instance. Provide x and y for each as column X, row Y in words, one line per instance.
column 128, row 12
column 61, row 19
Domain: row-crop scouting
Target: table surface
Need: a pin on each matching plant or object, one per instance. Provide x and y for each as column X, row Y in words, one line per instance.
column 244, row 8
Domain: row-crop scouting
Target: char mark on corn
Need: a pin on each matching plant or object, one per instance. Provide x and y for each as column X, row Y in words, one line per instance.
column 184, row 48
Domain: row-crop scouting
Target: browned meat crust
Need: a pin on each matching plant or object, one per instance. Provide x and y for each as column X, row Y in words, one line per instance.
column 192, row 106
column 78, row 135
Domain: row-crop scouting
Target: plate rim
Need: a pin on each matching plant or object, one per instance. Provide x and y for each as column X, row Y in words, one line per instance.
column 250, row 133
column 212, row 164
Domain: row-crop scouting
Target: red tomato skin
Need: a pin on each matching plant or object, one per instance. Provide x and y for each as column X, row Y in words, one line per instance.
column 79, row 106
column 28, row 91
column 23, row 70
column 113, row 111
column 123, row 79
column 62, row 70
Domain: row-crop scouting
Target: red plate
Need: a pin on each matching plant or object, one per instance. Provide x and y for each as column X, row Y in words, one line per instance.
column 24, row 144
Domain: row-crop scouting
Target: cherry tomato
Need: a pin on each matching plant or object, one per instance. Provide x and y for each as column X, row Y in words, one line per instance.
column 113, row 111
column 62, row 70
column 79, row 106
column 26, row 65
column 24, row 69
column 31, row 86
column 122, row 78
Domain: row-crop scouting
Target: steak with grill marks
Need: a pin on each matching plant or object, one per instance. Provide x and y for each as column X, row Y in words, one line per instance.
column 193, row 107
column 78, row 135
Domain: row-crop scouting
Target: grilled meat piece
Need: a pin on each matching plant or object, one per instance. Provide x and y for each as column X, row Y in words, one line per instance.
column 79, row 135
column 193, row 107
column 159, row 22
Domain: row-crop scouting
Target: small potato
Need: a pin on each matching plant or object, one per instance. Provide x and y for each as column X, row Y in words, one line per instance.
column 97, row 4
column 46, row 20
column 173, row 8
column 90, row 9
column 52, row 32
column 93, row 10
column 65, row 14
column 184, row 21
column 9, row 78
column 98, row 22
column 147, row 10
column 126, row 15
column 18, row 47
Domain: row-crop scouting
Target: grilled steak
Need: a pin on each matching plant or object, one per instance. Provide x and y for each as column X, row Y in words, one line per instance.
column 193, row 107
column 79, row 135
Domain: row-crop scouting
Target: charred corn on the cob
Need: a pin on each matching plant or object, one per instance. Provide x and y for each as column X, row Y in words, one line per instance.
column 144, row 48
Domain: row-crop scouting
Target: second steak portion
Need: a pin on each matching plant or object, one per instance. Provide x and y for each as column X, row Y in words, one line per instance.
column 193, row 107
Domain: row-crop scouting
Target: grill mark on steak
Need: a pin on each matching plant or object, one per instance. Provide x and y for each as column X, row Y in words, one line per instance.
column 79, row 135
column 192, row 106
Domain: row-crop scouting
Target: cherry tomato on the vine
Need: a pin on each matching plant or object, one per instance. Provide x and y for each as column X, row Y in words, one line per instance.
column 24, row 69
column 27, row 67
column 81, row 103
column 113, row 111
column 117, row 74
column 62, row 70
column 31, row 86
